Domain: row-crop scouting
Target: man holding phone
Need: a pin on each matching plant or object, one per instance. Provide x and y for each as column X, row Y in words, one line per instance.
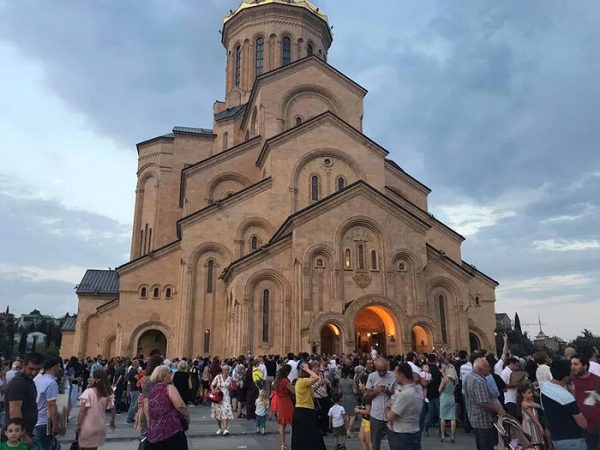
column 380, row 387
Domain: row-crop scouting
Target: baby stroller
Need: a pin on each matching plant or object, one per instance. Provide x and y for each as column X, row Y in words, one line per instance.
column 512, row 435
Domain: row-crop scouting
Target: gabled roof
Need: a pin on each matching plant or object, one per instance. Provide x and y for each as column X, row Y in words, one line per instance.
column 288, row 224
column 400, row 169
column 205, row 132
column 479, row 272
column 69, row 324
column 307, row 60
column 446, row 259
column 99, row 282
column 229, row 112
column 327, row 115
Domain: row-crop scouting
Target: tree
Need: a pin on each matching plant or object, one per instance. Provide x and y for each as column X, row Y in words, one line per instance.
column 35, row 312
column 585, row 340
column 23, row 342
column 518, row 323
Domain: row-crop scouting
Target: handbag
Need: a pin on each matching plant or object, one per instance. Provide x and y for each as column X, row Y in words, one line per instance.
column 215, row 396
column 75, row 444
column 233, row 387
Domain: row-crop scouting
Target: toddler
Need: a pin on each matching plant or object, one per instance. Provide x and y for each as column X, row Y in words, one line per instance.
column 13, row 432
column 337, row 421
column 262, row 404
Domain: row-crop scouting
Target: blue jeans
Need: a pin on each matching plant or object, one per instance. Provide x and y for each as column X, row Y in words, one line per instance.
column 133, row 406
column 570, row 444
column 41, row 437
column 261, row 421
column 405, row 441
column 485, row 438
column 433, row 413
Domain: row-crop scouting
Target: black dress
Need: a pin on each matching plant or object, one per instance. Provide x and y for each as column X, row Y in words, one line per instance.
column 181, row 382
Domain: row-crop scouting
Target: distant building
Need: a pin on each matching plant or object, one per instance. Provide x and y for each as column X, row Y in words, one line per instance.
column 27, row 320
column 503, row 322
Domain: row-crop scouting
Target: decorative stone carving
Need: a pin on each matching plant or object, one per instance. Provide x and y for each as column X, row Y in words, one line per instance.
column 363, row 280
column 360, row 234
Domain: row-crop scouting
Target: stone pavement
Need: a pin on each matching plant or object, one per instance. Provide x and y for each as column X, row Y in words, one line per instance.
column 201, row 436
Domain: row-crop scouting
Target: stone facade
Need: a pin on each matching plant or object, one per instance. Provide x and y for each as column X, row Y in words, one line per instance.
column 284, row 228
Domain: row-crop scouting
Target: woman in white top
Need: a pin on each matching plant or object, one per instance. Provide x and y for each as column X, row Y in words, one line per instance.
column 222, row 411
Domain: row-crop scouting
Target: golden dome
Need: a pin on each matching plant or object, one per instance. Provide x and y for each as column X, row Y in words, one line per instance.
column 306, row 4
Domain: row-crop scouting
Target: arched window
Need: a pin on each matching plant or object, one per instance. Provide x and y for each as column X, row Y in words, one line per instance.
column 373, row 260
column 260, row 56
column 168, row 293
column 143, row 292
column 155, row 293
column 341, row 183
column 210, row 268
column 347, row 259
column 314, row 188
column 401, row 267
column 207, row 341
column 477, row 302
column 309, row 50
column 254, row 243
column 225, row 139
column 298, row 120
column 238, row 65
column 286, row 51
column 320, row 262
column 442, row 307
column 361, row 256
column 265, row 316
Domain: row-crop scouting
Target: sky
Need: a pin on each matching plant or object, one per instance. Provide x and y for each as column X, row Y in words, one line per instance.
column 494, row 105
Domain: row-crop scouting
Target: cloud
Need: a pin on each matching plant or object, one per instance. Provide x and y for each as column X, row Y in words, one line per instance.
column 565, row 245
column 66, row 274
column 547, row 283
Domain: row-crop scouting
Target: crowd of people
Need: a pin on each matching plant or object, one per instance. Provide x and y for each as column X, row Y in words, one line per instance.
column 404, row 398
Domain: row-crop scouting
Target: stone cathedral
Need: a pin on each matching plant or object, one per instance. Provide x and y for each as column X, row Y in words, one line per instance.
column 284, row 227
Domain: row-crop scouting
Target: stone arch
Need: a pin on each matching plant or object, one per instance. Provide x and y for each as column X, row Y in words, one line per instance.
column 297, row 92
column 137, row 333
column 271, row 275
column 428, row 324
column 368, row 223
column 318, row 249
column 481, row 335
column 406, row 254
column 310, row 156
column 146, row 172
column 223, row 177
column 323, row 319
column 453, row 306
column 242, row 230
column 195, row 255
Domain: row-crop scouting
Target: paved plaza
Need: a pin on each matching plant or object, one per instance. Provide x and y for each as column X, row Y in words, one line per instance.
column 201, row 436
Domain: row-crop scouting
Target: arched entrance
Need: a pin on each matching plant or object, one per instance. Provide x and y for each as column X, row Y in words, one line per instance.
column 421, row 340
column 330, row 339
column 474, row 342
column 152, row 341
column 373, row 325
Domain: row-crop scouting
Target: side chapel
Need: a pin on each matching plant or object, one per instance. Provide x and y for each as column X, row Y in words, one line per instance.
column 284, row 227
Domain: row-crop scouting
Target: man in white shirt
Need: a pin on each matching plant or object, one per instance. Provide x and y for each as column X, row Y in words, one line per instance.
column 294, row 365
column 594, row 366
column 510, row 396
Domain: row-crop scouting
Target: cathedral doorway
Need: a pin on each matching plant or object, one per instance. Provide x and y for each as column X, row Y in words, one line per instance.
column 152, row 341
column 330, row 339
column 421, row 339
column 474, row 342
column 373, row 324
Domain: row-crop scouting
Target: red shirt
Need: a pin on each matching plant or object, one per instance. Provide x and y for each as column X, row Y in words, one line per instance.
column 588, row 399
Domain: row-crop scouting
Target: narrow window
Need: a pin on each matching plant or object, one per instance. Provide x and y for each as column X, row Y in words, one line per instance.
column 341, row 183
column 238, row 65
column 320, row 262
column 206, row 341
column 155, row 292
column 210, row 268
column 287, row 51
column 225, row 139
column 401, row 267
column 141, row 252
column 309, row 50
column 298, row 120
column 442, row 317
column 314, row 188
column 373, row 260
column 361, row 256
column 265, row 316
column 149, row 240
column 260, row 56
column 254, row 243
column 347, row 259
column 168, row 293
column 477, row 301
column 143, row 292
column 146, row 239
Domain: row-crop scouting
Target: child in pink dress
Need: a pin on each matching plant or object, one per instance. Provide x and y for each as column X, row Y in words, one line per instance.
column 93, row 403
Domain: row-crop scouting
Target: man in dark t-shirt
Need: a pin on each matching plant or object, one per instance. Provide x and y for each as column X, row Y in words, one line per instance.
column 565, row 420
column 21, row 394
column 133, row 390
column 433, row 393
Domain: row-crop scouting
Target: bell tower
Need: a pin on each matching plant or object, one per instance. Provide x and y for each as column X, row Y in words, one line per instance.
column 263, row 35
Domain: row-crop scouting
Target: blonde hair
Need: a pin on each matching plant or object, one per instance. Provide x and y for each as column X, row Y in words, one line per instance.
column 262, row 396
column 160, row 374
column 182, row 366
